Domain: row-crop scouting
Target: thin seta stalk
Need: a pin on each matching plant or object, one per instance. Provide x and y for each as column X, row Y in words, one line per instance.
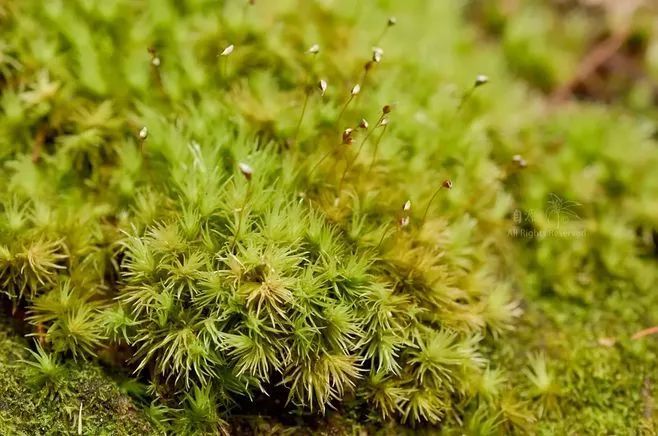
column 322, row 85
column 143, row 134
column 402, row 222
column 346, row 139
column 317, row 164
column 353, row 93
column 384, row 124
column 480, row 80
column 364, row 125
column 377, row 54
column 392, row 21
column 447, row 184
column 225, row 54
column 245, row 10
column 384, row 235
column 247, row 172
column 307, row 94
column 155, row 68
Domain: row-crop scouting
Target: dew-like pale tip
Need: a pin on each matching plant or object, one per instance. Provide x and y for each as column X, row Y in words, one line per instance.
column 246, row 170
column 347, row 136
column 228, row 50
column 323, row 86
column 314, row 49
column 143, row 132
column 377, row 54
column 481, row 79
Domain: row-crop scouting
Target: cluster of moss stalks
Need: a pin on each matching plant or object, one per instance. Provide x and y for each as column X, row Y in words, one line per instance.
column 300, row 207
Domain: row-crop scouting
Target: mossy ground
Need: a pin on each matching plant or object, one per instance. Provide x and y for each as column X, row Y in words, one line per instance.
column 510, row 305
column 27, row 408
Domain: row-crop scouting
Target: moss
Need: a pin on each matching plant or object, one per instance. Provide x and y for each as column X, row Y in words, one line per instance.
column 29, row 408
column 468, row 259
